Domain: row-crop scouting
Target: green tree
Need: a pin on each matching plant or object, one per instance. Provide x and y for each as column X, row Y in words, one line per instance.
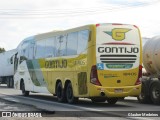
column 2, row 50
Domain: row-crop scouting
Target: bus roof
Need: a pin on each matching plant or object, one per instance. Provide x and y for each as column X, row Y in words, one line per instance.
column 60, row 32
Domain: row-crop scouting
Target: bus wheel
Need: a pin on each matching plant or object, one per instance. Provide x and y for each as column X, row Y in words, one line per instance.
column 24, row 92
column 8, row 82
column 112, row 100
column 121, row 98
column 94, row 100
column 60, row 93
column 11, row 82
column 69, row 94
column 155, row 92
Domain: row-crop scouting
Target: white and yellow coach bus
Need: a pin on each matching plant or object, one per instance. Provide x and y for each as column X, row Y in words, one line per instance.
column 100, row 61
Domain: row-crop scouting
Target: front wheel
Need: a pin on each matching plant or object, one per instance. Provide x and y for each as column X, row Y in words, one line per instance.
column 69, row 94
column 24, row 92
column 112, row 100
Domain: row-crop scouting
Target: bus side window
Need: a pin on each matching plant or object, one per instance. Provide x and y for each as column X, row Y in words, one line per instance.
column 40, row 49
column 31, row 50
column 83, row 37
column 72, row 43
column 57, row 46
column 22, row 58
column 61, row 45
column 49, row 49
column 24, row 51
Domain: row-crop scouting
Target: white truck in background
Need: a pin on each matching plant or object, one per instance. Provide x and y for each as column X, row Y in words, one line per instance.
column 7, row 67
column 151, row 72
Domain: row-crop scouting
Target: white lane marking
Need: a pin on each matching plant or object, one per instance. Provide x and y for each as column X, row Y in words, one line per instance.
column 49, row 102
column 69, row 105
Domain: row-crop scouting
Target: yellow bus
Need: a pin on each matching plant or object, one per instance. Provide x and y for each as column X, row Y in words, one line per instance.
column 99, row 61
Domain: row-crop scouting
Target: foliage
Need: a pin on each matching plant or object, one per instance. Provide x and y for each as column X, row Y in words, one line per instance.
column 2, row 50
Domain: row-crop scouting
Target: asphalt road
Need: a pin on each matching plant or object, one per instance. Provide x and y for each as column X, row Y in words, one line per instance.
column 129, row 108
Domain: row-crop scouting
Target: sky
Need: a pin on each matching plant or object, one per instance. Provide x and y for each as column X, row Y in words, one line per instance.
column 20, row 19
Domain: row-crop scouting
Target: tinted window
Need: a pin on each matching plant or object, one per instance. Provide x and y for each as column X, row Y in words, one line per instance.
column 31, row 50
column 24, row 50
column 40, row 49
column 72, row 43
column 60, row 44
column 63, row 47
column 49, row 49
column 83, row 37
column 55, row 47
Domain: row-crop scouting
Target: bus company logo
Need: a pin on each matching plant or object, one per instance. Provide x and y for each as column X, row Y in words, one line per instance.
column 117, row 34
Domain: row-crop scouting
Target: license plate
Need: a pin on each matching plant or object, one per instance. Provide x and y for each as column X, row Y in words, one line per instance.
column 118, row 90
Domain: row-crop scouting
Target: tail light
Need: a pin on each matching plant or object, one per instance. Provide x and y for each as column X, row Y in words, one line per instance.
column 135, row 26
column 139, row 76
column 94, row 77
column 97, row 25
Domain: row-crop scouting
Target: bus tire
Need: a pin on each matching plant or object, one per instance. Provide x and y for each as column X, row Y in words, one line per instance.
column 155, row 92
column 112, row 100
column 121, row 98
column 69, row 94
column 144, row 96
column 11, row 82
column 8, row 82
column 24, row 92
column 60, row 93
column 94, row 100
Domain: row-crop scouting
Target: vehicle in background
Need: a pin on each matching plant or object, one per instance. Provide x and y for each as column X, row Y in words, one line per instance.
column 7, row 67
column 151, row 72
column 144, row 40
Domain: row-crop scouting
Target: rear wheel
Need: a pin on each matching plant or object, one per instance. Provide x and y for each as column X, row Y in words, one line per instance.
column 24, row 92
column 112, row 100
column 121, row 98
column 94, row 100
column 69, row 94
column 60, row 93
column 155, row 92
